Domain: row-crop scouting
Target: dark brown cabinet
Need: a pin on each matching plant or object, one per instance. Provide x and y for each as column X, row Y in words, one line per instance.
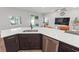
column 11, row 43
column 63, row 47
column 23, row 41
column 30, row 41
column 36, row 41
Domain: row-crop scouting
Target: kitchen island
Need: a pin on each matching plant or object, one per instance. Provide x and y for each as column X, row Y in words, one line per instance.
column 54, row 34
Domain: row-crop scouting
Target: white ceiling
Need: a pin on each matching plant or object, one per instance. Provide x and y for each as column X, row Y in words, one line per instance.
column 43, row 10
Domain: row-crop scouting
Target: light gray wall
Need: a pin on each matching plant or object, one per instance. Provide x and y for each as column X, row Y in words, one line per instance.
column 71, row 13
column 5, row 12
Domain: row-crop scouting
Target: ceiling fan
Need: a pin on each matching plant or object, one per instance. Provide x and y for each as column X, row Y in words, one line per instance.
column 61, row 11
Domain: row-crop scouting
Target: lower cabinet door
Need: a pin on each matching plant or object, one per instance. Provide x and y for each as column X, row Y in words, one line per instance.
column 30, row 41
column 63, row 47
column 35, row 41
column 52, row 45
column 11, row 44
column 24, row 42
column 44, row 43
column 49, row 44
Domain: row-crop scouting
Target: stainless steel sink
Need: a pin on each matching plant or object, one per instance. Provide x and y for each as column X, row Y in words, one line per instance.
column 73, row 32
column 30, row 31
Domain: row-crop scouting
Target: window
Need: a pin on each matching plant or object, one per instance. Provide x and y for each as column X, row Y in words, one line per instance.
column 15, row 20
column 34, row 21
column 45, row 20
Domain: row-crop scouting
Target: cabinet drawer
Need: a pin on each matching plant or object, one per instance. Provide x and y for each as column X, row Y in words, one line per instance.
column 30, row 36
column 12, row 36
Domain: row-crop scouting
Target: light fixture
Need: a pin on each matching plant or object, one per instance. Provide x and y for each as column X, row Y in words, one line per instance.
column 60, row 10
column 57, row 10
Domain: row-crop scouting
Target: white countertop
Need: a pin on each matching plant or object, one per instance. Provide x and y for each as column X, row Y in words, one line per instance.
column 53, row 33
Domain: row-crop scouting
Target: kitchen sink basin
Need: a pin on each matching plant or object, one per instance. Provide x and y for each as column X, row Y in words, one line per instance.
column 30, row 31
column 73, row 32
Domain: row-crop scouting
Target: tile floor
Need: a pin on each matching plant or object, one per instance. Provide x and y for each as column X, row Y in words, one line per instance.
column 30, row 51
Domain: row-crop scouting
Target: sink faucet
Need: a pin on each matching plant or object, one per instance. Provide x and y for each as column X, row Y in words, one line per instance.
column 31, row 26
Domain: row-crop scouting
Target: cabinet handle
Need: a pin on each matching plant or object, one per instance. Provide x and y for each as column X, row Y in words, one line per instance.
column 10, row 37
column 74, row 50
column 16, row 40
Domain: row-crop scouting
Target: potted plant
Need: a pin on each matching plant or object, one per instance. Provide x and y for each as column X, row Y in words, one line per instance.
column 76, row 21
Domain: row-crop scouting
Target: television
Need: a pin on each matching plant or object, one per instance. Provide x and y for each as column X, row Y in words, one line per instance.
column 62, row 21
